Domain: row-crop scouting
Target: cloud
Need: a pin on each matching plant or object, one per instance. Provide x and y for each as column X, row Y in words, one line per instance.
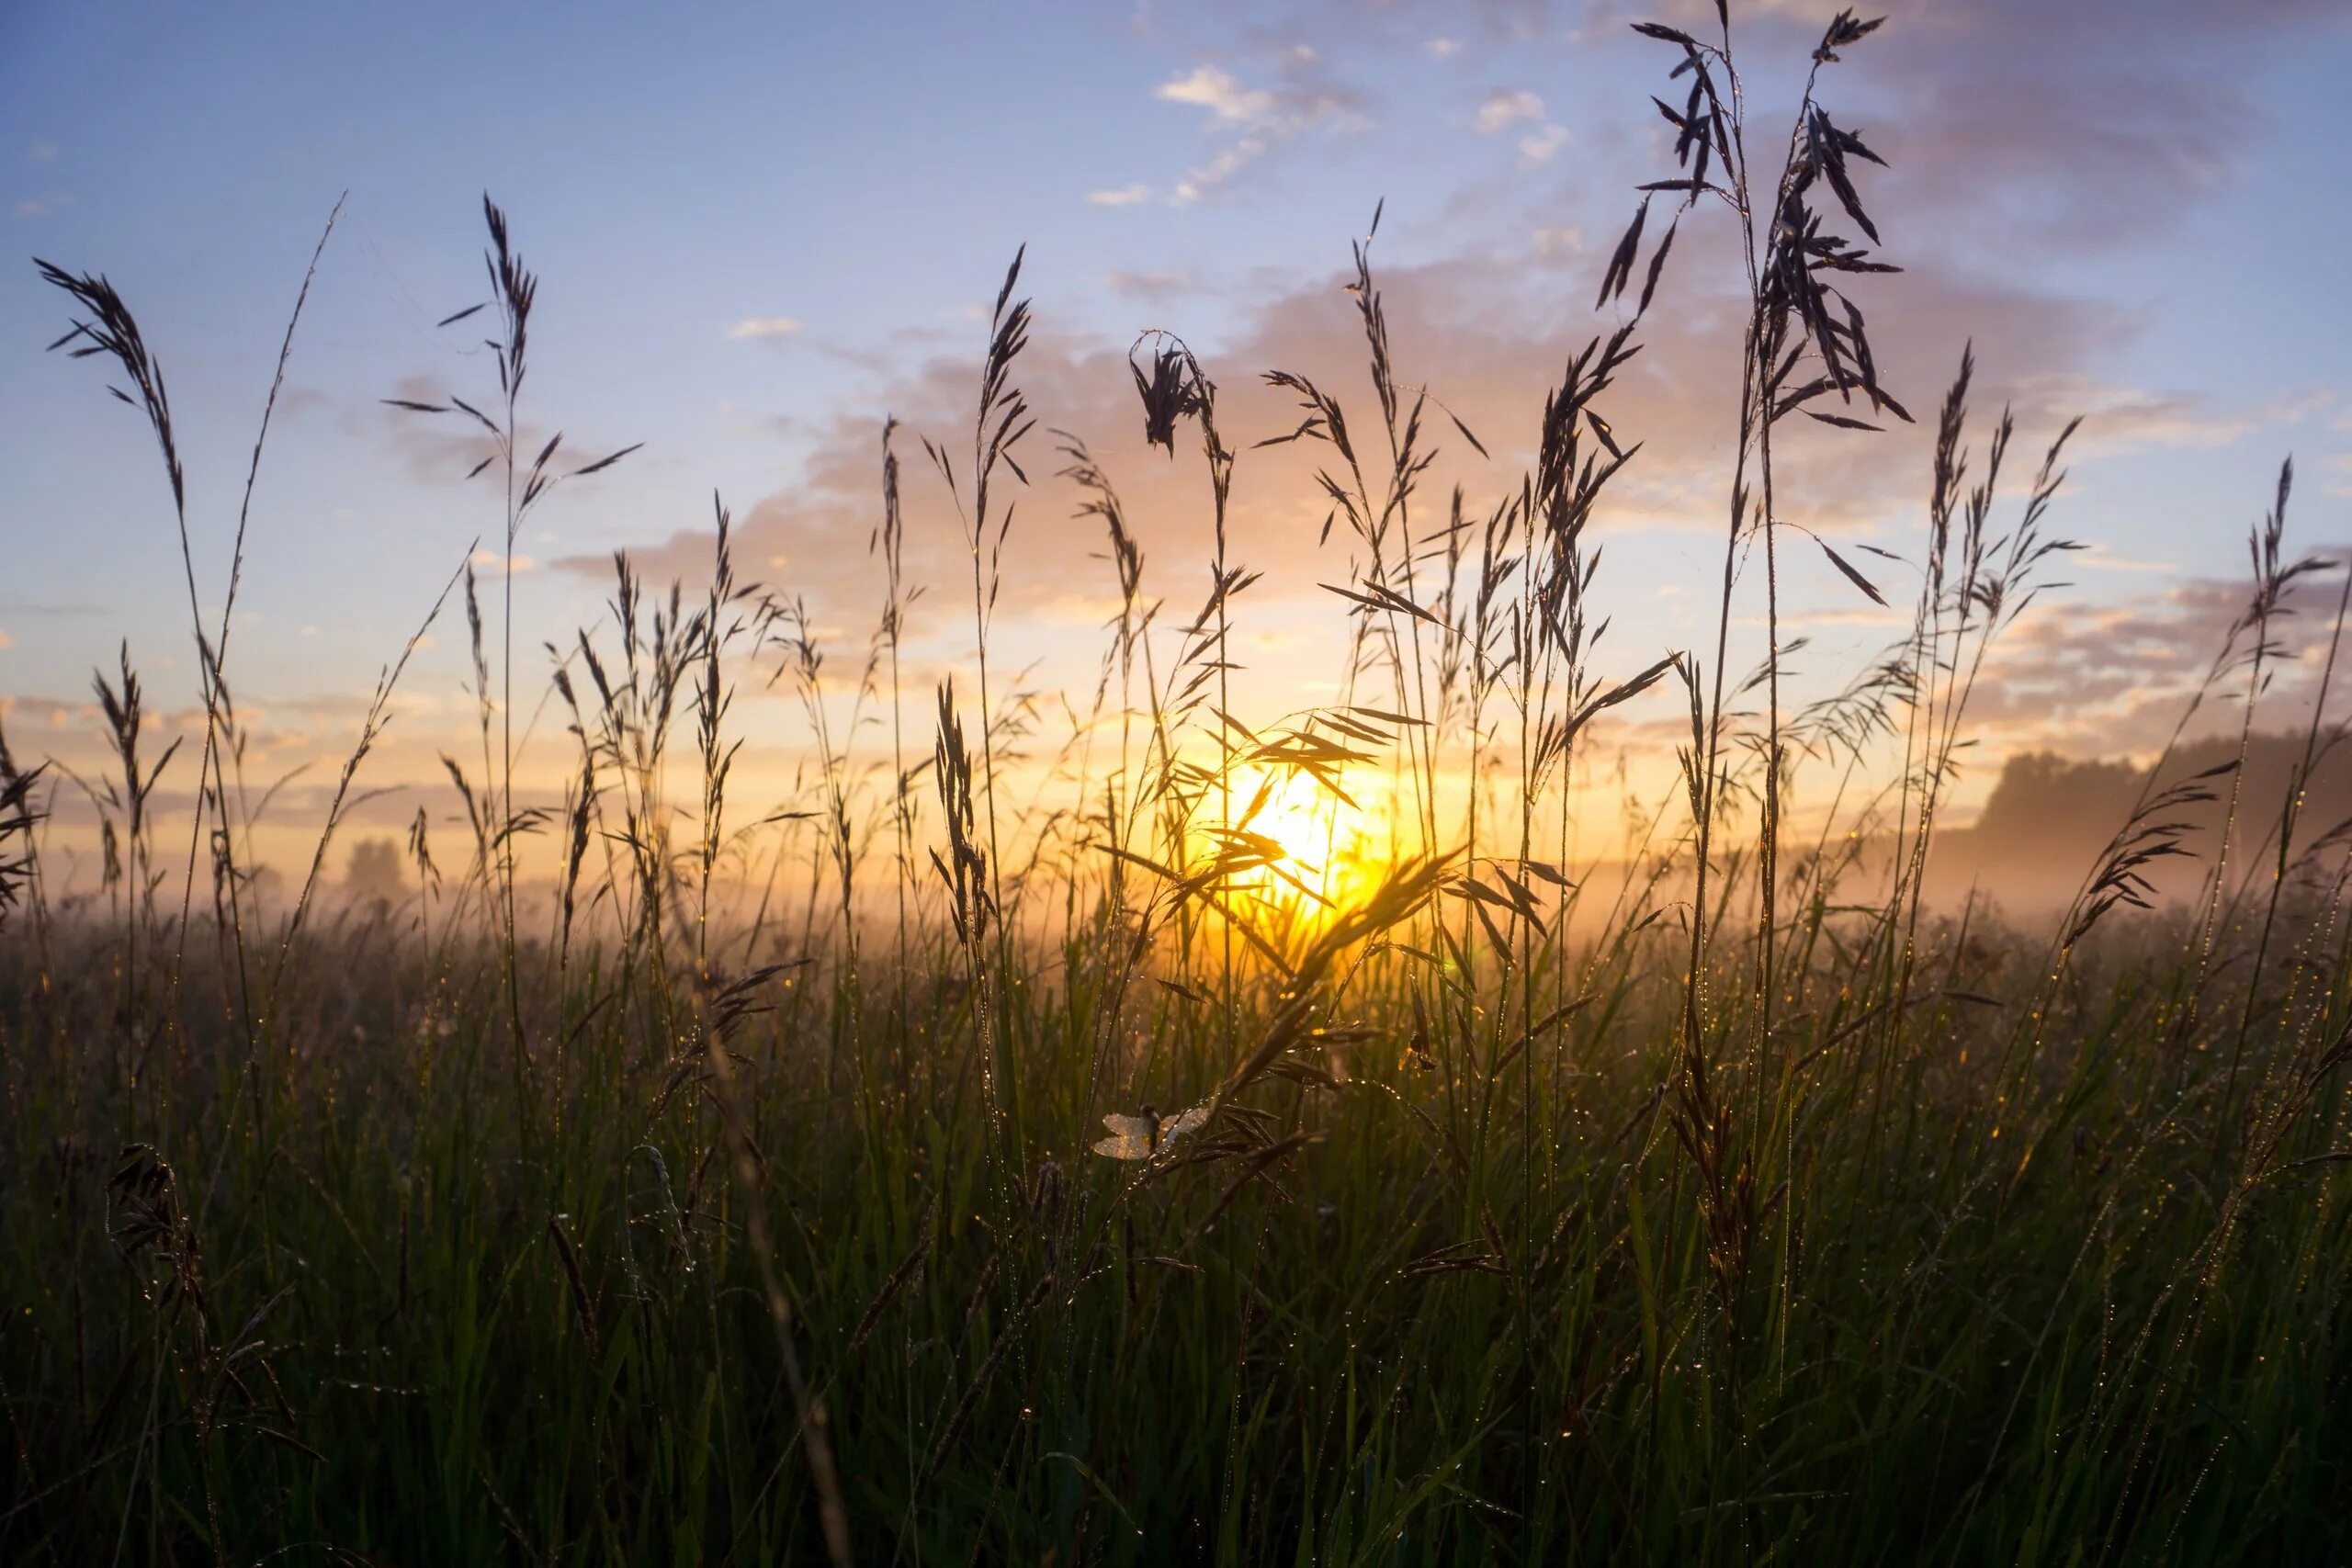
column 1257, row 119
column 6, row 641
column 1488, row 334
column 762, row 329
column 1539, row 148
column 2098, row 557
column 1198, row 182
column 41, row 152
column 446, row 449
column 1215, row 90
column 43, row 205
column 2089, row 125
column 2117, row 675
column 1149, row 287
column 1551, row 242
column 1125, row 196
column 19, row 607
column 303, row 402
column 1439, row 30
column 2118, row 417
column 1503, row 110
column 435, row 450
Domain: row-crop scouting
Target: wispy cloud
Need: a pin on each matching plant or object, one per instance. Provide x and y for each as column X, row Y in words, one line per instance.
column 1257, row 119
column 1199, row 181
column 1215, row 91
column 2092, row 124
column 2117, row 418
column 1504, row 110
column 1461, row 328
column 21, row 608
column 43, row 205
column 762, row 329
column 2098, row 557
column 1538, row 148
column 1553, row 244
column 41, row 152
column 1149, row 287
column 1125, row 196
column 2120, row 671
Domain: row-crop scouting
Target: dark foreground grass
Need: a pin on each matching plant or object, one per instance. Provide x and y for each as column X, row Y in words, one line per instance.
column 1997, row 1305
column 724, row 1193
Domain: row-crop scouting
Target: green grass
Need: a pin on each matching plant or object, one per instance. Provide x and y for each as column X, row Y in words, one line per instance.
column 2024, row 1316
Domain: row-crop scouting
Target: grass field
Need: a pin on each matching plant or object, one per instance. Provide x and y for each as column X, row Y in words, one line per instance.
column 1134, row 1139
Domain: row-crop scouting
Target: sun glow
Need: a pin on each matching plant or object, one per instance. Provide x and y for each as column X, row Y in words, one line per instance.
column 1323, row 851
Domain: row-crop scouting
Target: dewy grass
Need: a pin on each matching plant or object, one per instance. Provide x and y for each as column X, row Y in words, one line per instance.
column 743, row 1196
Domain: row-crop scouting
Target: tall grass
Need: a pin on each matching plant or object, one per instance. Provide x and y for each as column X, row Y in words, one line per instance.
column 1098, row 1175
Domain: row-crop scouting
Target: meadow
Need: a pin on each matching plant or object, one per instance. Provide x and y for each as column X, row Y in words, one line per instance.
column 1122, row 1135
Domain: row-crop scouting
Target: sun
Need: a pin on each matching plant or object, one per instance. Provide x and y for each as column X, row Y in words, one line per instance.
column 1331, row 849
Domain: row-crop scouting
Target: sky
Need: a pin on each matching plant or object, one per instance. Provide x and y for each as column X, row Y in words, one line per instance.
column 761, row 230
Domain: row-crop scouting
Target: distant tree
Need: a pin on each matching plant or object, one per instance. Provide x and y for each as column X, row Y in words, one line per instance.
column 374, row 872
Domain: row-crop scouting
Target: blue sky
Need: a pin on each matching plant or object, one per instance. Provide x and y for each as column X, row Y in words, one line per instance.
column 759, row 229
